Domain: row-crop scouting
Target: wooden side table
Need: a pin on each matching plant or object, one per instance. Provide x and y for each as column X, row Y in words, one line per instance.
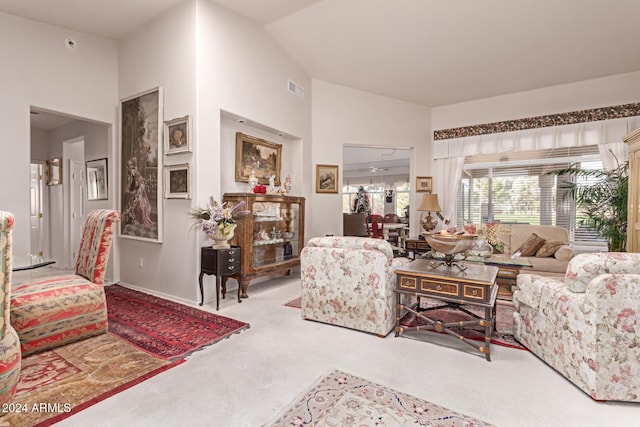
column 456, row 289
column 416, row 245
column 224, row 263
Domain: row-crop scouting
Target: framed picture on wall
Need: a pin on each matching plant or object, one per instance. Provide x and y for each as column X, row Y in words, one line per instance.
column 141, row 126
column 424, row 184
column 177, row 135
column 54, row 171
column 326, row 178
column 256, row 155
column 177, row 182
column 97, row 185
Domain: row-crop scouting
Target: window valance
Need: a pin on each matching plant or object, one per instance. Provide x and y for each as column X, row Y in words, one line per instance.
column 572, row 135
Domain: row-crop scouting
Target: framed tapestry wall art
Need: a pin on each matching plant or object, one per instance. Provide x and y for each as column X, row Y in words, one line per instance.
column 259, row 156
column 141, row 125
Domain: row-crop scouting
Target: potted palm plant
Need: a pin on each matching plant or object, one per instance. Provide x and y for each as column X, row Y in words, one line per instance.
column 603, row 200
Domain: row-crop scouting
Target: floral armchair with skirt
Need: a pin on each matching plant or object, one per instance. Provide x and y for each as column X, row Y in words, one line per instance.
column 349, row 281
column 586, row 326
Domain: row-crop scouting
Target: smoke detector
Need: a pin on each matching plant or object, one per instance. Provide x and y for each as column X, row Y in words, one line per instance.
column 70, row 43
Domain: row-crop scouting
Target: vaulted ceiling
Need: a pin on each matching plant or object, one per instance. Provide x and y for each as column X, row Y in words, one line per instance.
column 427, row 52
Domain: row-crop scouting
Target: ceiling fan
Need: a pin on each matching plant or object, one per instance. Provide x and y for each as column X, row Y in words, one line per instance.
column 373, row 169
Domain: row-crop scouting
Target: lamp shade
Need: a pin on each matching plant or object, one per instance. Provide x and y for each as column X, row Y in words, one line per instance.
column 430, row 203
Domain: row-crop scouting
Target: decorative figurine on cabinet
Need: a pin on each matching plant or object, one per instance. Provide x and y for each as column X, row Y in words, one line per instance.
column 272, row 185
column 253, row 181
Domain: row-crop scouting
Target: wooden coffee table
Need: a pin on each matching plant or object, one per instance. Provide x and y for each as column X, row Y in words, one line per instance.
column 475, row 286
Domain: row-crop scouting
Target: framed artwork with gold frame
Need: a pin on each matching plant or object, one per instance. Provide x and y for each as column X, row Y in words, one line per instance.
column 424, row 184
column 54, row 171
column 257, row 155
column 326, row 178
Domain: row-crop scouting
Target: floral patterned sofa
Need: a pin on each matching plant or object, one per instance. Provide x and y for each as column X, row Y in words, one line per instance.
column 587, row 326
column 349, row 281
column 57, row 310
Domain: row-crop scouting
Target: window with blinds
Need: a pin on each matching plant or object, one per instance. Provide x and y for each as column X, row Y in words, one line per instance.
column 517, row 188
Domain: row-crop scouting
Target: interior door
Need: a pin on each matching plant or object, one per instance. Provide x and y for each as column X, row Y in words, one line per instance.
column 36, row 213
column 76, row 200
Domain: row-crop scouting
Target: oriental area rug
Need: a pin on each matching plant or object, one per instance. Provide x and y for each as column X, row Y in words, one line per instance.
column 165, row 328
column 340, row 399
column 503, row 335
column 58, row 383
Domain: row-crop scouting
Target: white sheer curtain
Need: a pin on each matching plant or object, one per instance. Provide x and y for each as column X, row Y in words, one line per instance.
column 448, row 175
column 613, row 154
column 450, row 153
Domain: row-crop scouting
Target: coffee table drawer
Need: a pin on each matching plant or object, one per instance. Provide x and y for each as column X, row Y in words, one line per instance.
column 440, row 288
column 408, row 283
column 475, row 292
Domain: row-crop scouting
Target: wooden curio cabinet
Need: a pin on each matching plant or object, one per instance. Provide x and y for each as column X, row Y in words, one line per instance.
column 271, row 237
column 633, row 204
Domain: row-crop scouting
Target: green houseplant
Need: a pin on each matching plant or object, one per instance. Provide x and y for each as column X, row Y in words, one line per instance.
column 603, row 200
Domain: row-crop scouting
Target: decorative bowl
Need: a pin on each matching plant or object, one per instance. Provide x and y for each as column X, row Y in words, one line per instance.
column 450, row 244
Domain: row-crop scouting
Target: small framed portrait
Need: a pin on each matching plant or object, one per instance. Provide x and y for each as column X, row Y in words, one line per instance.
column 97, row 183
column 326, row 178
column 424, row 184
column 177, row 181
column 177, row 135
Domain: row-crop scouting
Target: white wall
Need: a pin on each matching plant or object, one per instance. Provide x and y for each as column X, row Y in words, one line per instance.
column 162, row 53
column 344, row 116
column 239, row 69
column 44, row 73
column 603, row 92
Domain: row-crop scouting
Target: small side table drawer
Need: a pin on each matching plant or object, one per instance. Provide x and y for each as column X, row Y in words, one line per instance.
column 229, row 266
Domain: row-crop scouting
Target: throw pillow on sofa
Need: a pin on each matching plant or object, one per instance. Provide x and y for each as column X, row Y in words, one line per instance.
column 549, row 248
column 531, row 245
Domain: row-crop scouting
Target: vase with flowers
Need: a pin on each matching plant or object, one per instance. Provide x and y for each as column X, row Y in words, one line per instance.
column 219, row 220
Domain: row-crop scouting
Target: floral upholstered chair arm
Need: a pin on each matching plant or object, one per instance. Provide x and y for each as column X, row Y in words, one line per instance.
column 585, row 267
column 351, row 242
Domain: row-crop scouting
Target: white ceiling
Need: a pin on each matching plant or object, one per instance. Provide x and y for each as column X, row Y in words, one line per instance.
column 423, row 51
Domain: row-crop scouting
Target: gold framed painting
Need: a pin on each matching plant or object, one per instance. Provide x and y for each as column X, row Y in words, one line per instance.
column 424, row 184
column 54, row 171
column 259, row 156
column 326, row 178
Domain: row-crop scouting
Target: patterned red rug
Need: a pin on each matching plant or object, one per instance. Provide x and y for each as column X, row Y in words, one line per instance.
column 503, row 334
column 164, row 328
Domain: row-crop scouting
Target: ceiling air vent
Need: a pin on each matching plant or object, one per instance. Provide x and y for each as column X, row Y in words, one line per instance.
column 296, row 89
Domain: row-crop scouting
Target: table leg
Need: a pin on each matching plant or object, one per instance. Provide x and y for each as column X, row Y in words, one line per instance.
column 224, row 286
column 201, row 288
column 398, row 313
column 218, row 279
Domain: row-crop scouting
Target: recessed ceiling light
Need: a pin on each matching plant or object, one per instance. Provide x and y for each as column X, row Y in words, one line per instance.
column 240, row 120
column 280, row 134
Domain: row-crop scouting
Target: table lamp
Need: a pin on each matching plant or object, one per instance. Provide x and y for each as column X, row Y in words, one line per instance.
column 430, row 204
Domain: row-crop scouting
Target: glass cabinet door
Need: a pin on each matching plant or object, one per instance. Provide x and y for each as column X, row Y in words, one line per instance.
column 275, row 232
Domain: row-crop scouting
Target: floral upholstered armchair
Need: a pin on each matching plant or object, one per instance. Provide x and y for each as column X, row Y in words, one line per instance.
column 10, row 359
column 57, row 310
column 587, row 325
column 349, row 281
